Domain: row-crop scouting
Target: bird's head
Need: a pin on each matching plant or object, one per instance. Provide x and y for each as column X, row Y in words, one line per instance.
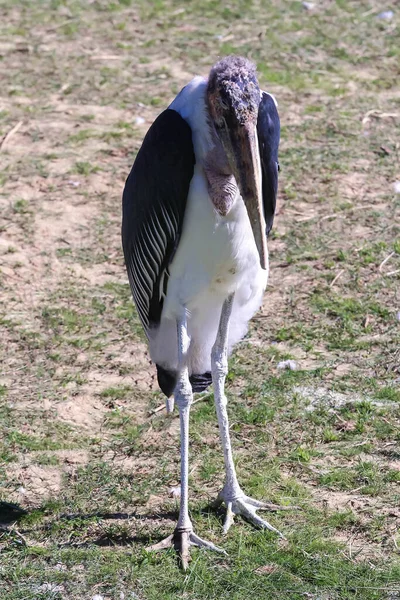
column 233, row 92
column 233, row 97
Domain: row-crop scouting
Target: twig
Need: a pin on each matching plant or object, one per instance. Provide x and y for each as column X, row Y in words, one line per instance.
column 362, row 443
column 107, row 57
column 19, row 535
column 351, row 209
column 356, row 489
column 385, row 261
column 369, row 12
column 378, row 114
column 55, row 27
column 336, row 215
column 162, row 406
column 305, row 219
column 393, row 272
column 336, row 278
column 362, row 207
column 9, row 135
column 158, row 409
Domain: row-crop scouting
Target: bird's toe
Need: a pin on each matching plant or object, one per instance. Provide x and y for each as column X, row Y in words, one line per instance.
column 228, row 517
column 195, row 540
column 166, row 543
column 260, row 504
column 247, row 507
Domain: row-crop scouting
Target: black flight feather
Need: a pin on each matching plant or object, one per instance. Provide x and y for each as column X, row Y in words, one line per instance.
column 268, row 131
column 153, row 206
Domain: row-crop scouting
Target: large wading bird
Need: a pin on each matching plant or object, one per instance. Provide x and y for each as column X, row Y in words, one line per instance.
column 197, row 208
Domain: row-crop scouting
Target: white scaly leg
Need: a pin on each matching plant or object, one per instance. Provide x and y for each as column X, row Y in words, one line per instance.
column 169, row 405
column 237, row 503
column 184, row 536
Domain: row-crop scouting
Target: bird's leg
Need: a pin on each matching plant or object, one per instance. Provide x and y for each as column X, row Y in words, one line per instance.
column 232, row 495
column 169, row 405
column 184, row 536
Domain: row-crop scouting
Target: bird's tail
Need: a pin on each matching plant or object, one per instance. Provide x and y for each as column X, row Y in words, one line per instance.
column 167, row 381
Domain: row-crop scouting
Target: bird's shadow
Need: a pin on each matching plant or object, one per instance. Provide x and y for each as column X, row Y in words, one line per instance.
column 11, row 514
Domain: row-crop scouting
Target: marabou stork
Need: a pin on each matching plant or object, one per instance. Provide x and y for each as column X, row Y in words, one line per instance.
column 197, row 207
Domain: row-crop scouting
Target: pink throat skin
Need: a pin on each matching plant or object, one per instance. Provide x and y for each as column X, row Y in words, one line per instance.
column 222, row 185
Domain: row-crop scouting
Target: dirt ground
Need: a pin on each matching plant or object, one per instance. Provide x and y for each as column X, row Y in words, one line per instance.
column 81, row 84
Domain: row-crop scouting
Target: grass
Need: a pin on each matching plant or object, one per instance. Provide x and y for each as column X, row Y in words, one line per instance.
column 85, row 464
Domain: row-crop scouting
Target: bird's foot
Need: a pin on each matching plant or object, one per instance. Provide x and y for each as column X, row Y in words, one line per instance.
column 240, row 504
column 181, row 540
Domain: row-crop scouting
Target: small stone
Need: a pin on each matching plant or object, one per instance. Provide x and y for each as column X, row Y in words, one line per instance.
column 308, row 5
column 21, row 490
column 386, row 15
column 53, row 588
column 175, row 492
column 267, row 569
column 139, row 120
column 291, row 365
column 81, row 358
column 396, row 187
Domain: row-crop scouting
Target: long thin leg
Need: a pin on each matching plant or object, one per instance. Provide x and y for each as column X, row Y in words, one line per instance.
column 236, row 501
column 183, row 397
column 184, row 536
column 219, row 367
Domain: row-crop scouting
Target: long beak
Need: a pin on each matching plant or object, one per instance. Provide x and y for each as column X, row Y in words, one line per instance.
column 241, row 145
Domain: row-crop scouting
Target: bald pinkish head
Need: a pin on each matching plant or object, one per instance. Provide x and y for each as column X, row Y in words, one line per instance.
column 233, row 99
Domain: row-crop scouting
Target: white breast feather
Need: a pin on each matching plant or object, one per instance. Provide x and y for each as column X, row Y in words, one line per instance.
column 216, row 256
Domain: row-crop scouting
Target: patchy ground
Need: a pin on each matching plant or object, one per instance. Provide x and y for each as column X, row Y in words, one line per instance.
column 86, row 464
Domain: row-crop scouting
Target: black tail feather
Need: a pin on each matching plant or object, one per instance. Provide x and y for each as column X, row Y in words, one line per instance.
column 167, row 381
column 200, row 382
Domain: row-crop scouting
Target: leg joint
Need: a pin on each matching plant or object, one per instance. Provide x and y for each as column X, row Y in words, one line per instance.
column 183, row 392
column 219, row 362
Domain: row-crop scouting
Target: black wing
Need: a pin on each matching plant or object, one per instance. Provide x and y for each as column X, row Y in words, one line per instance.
column 268, row 131
column 153, row 207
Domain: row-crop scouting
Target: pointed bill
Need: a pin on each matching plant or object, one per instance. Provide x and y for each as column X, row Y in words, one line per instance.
column 241, row 146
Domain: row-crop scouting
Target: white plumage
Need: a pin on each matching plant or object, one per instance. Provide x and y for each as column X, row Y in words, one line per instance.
column 216, row 257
